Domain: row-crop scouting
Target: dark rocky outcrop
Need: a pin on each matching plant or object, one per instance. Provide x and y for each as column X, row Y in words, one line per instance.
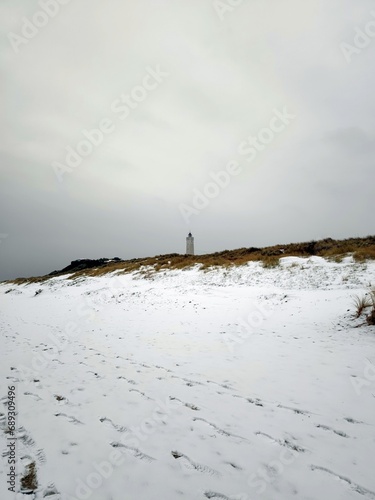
column 80, row 264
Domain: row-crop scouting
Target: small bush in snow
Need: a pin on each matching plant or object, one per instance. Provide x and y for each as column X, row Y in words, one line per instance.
column 271, row 261
column 371, row 316
column 365, row 302
column 361, row 303
column 29, row 481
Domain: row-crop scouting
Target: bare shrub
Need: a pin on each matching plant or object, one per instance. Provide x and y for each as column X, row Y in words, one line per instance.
column 361, row 303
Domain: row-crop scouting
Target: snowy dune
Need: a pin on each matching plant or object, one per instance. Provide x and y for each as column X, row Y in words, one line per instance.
column 241, row 384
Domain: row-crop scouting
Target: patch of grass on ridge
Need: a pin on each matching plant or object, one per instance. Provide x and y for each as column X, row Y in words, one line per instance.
column 362, row 249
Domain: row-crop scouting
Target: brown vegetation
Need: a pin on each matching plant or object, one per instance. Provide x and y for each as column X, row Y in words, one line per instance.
column 363, row 303
column 361, row 249
column 371, row 317
column 29, row 481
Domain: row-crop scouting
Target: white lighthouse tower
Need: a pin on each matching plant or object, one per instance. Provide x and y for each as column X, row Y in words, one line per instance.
column 189, row 244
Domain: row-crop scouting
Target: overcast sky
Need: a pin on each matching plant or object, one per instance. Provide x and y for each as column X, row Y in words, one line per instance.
column 180, row 88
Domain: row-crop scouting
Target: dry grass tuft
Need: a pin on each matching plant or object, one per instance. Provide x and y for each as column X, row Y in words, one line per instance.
column 371, row 317
column 363, row 254
column 30, row 482
column 270, row 262
column 361, row 304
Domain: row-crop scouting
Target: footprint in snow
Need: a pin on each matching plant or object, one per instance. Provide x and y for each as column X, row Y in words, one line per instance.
column 295, row 410
column 141, row 393
column 353, row 486
column 235, row 466
column 285, row 442
column 55, row 360
column 60, row 399
column 190, row 383
column 119, row 428
column 187, row 463
column 326, row 428
column 24, row 437
column 256, row 401
column 70, row 419
column 133, row 451
column 225, row 386
column 40, row 456
column 130, row 381
column 353, row 421
column 215, row 495
column 188, row 405
column 34, row 396
column 51, row 492
column 162, row 368
column 220, row 431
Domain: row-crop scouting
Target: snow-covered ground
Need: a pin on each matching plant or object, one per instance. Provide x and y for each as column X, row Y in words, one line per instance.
column 241, row 384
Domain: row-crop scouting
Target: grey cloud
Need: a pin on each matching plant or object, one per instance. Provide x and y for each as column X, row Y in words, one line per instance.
column 226, row 77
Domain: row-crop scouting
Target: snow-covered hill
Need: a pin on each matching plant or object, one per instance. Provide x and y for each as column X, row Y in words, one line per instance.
column 242, row 383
